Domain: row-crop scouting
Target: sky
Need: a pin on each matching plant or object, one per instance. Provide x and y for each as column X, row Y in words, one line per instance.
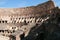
column 23, row 3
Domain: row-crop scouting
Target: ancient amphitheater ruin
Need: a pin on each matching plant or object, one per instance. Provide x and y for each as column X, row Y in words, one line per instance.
column 16, row 23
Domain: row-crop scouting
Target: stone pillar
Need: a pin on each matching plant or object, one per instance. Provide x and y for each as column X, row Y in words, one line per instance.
column 18, row 37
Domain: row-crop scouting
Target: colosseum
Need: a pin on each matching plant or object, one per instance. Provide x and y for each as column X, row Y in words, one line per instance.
column 27, row 23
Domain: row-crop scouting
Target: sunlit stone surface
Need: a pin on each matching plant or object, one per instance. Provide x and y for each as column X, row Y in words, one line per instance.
column 17, row 23
column 4, row 37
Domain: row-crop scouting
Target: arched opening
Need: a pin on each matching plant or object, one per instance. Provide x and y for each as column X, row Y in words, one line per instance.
column 0, row 30
column 5, row 21
column 12, row 37
column 19, row 18
column 2, row 21
column 22, row 36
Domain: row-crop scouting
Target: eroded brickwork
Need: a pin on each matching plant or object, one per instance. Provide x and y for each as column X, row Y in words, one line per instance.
column 17, row 21
column 35, row 10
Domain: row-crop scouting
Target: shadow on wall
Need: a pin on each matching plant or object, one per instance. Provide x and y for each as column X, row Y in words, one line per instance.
column 46, row 31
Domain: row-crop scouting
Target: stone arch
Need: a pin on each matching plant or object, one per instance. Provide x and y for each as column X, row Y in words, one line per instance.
column 2, row 21
column 5, row 21
column 19, row 18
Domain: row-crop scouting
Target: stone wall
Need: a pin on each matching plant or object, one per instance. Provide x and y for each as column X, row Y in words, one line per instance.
column 33, row 10
column 23, row 18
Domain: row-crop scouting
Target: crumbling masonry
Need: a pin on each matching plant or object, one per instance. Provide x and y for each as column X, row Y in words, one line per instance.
column 15, row 22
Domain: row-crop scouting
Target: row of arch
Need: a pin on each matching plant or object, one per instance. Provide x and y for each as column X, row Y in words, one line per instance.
column 6, row 31
column 28, row 20
column 19, row 20
column 3, row 21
